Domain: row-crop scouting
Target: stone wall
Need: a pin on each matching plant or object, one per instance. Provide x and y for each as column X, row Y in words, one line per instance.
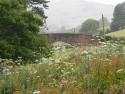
column 70, row 38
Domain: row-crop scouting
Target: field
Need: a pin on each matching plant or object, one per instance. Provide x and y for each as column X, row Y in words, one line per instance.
column 70, row 70
column 117, row 34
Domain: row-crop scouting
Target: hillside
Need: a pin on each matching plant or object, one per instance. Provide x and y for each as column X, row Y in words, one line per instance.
column 71, row 13
column 117, row 34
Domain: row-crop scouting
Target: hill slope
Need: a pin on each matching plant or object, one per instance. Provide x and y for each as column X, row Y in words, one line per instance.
column 117, row 34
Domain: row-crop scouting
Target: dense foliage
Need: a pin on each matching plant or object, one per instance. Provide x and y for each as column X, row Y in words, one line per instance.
column 38, row 6
column 19, row 31
column 119, row 17
column 90, row 27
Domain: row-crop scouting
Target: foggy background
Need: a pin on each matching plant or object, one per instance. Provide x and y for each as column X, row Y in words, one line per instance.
column 64, row 15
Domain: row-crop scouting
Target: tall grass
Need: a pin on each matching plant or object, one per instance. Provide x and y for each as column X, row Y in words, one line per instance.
column 71, row 70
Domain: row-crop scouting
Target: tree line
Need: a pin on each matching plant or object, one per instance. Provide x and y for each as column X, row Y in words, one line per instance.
column 95, row 27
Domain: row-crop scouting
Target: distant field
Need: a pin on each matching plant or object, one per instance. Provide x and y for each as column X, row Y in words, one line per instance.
column 117, row 34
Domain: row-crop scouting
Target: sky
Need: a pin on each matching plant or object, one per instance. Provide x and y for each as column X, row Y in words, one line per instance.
column 113, row 2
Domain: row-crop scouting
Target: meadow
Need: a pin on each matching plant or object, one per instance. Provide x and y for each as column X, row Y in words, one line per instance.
column 117, row 34
column 71, row 69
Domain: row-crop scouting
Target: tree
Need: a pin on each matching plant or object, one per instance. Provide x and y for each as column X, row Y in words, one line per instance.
column 38, row 6
column 119, row 17
column 90, row 27
column 19, row 31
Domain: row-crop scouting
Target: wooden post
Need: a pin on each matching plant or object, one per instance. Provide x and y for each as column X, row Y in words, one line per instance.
column 103, row 26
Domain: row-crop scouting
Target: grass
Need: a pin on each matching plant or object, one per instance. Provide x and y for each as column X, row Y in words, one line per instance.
column 117, row 34
column 71, row 70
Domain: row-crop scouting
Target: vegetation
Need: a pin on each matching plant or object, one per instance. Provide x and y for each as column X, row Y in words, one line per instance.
column 35, row 5
column 19, row 31
column 94, row 27
column 72, row 70
column 103, row 24
column 90, row 27
column 97, row 68
column 117, row 34
column 119, row 17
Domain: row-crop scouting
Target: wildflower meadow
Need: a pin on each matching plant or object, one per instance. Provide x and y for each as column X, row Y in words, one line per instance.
column 70, row 70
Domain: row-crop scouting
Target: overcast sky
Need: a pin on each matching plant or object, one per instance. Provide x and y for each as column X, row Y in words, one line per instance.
column 113, row 2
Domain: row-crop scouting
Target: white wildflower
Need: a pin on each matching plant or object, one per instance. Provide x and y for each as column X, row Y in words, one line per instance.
column 104, row 46
column 99, row 40
column 44, row 59
column 36, row 92
column 84, row 53
column 38, row 76
column 6, row 71
column 120, row 70
column 32, row 71
column 36, row 60
column 19, row 57
column 18, row 63
column 92, row 39
column 97, row 36
column 57, row 61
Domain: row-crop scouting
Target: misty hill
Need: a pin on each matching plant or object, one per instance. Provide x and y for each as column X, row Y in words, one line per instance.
column 71, row 13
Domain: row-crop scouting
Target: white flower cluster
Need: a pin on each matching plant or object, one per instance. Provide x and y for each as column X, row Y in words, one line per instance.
column 120, row 70
column 36, row 92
